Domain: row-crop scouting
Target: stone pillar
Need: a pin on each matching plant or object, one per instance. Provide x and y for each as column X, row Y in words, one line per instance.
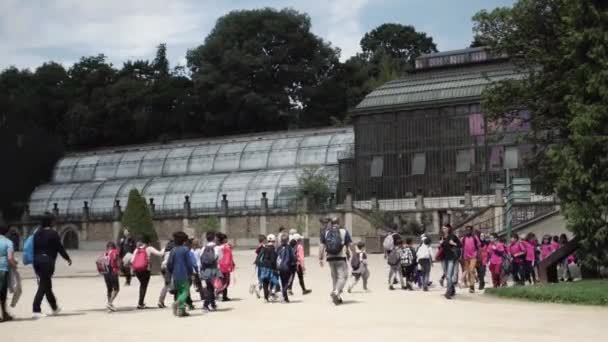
column 224, row 214
column 436, row 222
column 348, row 200
column 152, row 206
column 86, row 213
column 84, row 226
column 419, row 199
column 186, row 215
column 116, row 224
column 187, row 207
column 468, row 197
column 375, row 205
column 55, row 210
column 498, row 200
column 263, row 213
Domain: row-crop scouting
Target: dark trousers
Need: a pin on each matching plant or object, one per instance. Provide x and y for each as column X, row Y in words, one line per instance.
column 44, row 266
column 285, row 278
column 3, row 292
column 209, row 294
column 300, row 272
column 112, row 284
column 126, row 271
column 198, row 284
column 530, row 276
column 226, row 284
column 144, row 280
column 481, row 274
column 517, row 270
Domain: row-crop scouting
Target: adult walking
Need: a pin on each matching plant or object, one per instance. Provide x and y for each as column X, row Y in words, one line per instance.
column 126, row 245
column 335, row 246
column 451, row 250
column 140, row 262
column 471, row 247
column 7, row 261
column 47, row 245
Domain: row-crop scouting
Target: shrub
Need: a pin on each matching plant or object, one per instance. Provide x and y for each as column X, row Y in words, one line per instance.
column 207, row 224
column 315, row 184
column 586, row 292
column 137, row 218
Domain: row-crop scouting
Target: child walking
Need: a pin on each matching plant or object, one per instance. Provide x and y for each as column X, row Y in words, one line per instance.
column 180, row 266
column 394, row 263
column 226, row 265
column 408, row 264
column 111, row 276
column 286, row 263
column 267, row 267
column 425, row 260
column 210, row 271
column 300, row 267
column 358, row 263
column 496, row 255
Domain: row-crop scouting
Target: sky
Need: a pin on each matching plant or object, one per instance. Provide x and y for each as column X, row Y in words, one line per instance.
column 35, row 31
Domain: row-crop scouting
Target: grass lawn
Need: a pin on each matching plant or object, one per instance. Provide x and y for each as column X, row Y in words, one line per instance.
column 585, row 292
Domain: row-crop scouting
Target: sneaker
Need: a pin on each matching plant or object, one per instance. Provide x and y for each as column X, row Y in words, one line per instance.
column 226, row 299
column 56, row 312
column 38, row 315
column 6, row 318
column 206, row 309
column 257, row 292
column 447, row 296
column 290, row 292
column 472, row 290
column 335, row 298
column 191, row 307
column 405, row 288
column 213, row 307
column 305, row 292
column 285, row 300
column 175, row 308
column 425, row 289
column 142, row 307
column 441, row 281
column 340, row 301
column 349, row 290
column 390, row 287
column 183, row 313
column 161, row 305
column 110, row 307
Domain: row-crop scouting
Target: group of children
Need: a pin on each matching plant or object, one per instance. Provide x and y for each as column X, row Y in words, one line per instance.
column 277, row 264
column 185, row 263
column 408, row 265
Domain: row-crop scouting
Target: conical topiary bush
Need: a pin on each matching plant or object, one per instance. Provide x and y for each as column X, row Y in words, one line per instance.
column 138, row 220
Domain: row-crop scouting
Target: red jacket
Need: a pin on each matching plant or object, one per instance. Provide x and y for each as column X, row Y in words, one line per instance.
column 114, row 260
column 226, row 264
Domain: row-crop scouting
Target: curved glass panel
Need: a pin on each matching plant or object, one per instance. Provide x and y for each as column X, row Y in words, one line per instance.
column 152, row 164
column 255, row 155
column 62, row 197
column 85, row 169
column 64, row 169
column 205, row 195
column 123, row 193
column 263, row 182
column 284, row 153
column 286, row 188
column 177, row 161
column 84, row 193
column 235, row 187
column 202, row 159
column 182, row 187
column 157, row 189
column 106, row 166
column 228, row 157
column 105, row 196
column 129, row 165
column 313, row 150
column 40, row 198
column 339, row 142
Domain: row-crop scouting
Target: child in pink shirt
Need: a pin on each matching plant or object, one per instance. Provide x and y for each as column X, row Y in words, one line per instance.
column 518, row 252
column 546, row 248
column 530, row 245
column 296, row 244
column 496, row 253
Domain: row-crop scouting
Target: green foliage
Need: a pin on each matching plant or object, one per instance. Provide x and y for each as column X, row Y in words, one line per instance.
column 585, row 292
column 207, row 224
column 137, row 218
column 315, row 184
column 381, row 219
column 561, row 45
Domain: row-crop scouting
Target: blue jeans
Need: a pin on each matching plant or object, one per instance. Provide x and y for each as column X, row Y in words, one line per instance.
column 450, row 269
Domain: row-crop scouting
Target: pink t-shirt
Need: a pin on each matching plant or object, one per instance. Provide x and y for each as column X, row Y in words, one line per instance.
column 530, row 247
column 468, row 244
column 496, row 251
column 555, row 245
column 546, row 250
column 516, row 248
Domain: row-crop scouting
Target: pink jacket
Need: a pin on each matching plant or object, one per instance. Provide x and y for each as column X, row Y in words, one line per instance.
column 300, row 255
column 530, row 250
column 226, row 264
column 546, row 250
column 496, row 250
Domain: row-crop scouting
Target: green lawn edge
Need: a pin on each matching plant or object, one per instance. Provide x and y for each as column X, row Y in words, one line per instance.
column 585, row 292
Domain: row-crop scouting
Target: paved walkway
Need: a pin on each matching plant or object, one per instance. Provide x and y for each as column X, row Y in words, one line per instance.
column 378, row 315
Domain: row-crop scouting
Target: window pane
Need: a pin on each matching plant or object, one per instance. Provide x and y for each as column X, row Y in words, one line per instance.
column 511, row 158
column 85, row 170
column 256, row 155
column 129, row 165
column 202, row 159
column 377, row 166
column 228, row 157
column 419, row 164
column 313, row 150
column 84, row 193
column 340, row 142
column 177, row 161
column 284, row 153
column 106, row 167
column 152, row 164
column 464, row 160
column 64, row 169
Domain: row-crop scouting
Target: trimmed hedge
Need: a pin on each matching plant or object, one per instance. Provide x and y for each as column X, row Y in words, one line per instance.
column 138, row 220
column 584, row 292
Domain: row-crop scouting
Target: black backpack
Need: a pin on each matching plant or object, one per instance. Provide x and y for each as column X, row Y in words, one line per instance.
column 333, row 241
column 208, row 259
column 285, row 259
column 355, row 262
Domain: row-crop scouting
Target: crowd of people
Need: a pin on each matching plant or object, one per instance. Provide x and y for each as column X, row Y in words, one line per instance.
column 279, row 258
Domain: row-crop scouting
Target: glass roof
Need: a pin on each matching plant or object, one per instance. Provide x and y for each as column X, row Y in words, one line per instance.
column 262, row 152
column 244, row 190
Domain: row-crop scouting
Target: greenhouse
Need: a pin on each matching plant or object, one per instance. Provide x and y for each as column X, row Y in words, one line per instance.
column 240, row 167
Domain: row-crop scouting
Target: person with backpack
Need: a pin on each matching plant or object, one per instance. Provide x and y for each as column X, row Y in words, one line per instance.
column 46, row 245
column 261, row 244
column 359, row 266
column 286, row 263
column 451, row 249
column 226, row 265
column 424, row 256
column 517, row 251
column 126, row 247
column 408, row 263
column 300, row 266
column 168, row 284
column 140, row 263
column 108, row 265
column 180, row 266
column 496, row 253
column 7, row 261
column 210, row 271
column 335, row 247
column 394, row 263
column 267, row 267
column 470, row 245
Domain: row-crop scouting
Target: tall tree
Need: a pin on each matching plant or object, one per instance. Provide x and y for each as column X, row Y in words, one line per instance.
column 260, row 69
column 561, row 45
